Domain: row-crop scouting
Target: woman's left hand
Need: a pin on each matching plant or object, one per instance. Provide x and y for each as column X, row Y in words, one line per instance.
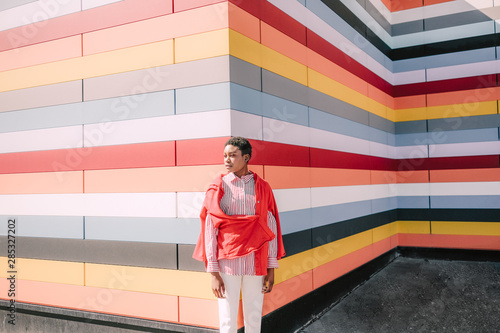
column 268, row 281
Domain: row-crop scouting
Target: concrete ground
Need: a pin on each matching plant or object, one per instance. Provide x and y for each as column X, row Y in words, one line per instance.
column 420, row 295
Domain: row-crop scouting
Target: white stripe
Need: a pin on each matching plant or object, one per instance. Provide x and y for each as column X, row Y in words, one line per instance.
column 465, row 149
column 464, row 70
column 90, row 204
column 35, row 12
column 42, row 139
column 176, row 127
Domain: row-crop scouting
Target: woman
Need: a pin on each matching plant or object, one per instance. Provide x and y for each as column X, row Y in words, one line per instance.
column 240, row 240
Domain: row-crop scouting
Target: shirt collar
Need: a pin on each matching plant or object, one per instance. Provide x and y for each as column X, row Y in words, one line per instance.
column 246, row 178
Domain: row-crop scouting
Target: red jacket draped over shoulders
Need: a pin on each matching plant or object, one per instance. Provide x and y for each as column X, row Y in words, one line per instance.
column 240, row 235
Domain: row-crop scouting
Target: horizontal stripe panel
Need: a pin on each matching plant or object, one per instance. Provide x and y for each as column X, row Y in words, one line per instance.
column 71, row 227
column 96, row 204
column 465, row 149
column 178, row 127
column 465, row 201
column 70, row 47
column 167, row 179
column 451, row 241
column 48, row 271
column 140, row 254
column 447, row 137
column 46, row 95
column 106, row 157
column 466, row 228
column 169, row 26
column 133, row 58
column 168, row 77
column 151, row 280
column 106, row 299
column 105, row 110
column 467, row 175
column 143, row 229
column 35, row 13
column 53, row 182
column 81, row 21
column 42, row 139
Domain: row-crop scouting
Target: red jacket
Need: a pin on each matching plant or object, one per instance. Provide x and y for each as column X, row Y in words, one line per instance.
column 240, row 235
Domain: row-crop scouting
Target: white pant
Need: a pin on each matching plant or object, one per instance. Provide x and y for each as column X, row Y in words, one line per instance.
column 252, row 299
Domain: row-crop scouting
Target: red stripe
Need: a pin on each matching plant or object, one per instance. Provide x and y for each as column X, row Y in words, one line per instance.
column 323, row 158
column 332, row 53
column 450, row 241
column 208, row 152
column 270, row 14
column 466, row 83
column 456, row 162
column 154, row 154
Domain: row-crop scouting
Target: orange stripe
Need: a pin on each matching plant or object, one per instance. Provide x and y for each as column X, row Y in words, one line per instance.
column 409, row 102
column 414, row 240
column 465, row 175
column 110, row 301
column 466, row 242
column 243, row 22
column 42, row 183
column 472, row 242
column 164, row 179
column 398, row 5
column 469, row 97
column 332, row 70
column 196, row 178
column 199, row 312
column 336, row 268
column 288, row 291
column 282, row 43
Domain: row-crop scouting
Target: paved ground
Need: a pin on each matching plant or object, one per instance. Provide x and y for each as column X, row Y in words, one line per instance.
column 420, row 295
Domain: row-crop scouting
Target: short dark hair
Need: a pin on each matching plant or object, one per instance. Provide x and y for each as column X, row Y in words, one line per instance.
column 241, row 143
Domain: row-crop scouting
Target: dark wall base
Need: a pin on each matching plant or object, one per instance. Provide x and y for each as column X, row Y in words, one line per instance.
column 449, row 254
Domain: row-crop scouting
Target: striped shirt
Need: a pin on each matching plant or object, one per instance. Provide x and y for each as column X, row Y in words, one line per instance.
column 238, row 199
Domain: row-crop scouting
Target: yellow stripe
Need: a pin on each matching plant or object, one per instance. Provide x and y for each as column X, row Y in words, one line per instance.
column 466, row 228
column 410, row 114
column 45, row 270
column 200, row 46
column 446, row 111
column 310, row 259
column 255, row 53
column 326, row 85
column 149, row 280
column 414, row 227
column 385, row 231
column 112, row 62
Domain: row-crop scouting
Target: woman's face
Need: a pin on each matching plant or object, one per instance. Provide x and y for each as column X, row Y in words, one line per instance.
column 234, row 161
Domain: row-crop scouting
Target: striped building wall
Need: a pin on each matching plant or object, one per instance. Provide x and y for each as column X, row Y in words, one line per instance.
column 375, row 122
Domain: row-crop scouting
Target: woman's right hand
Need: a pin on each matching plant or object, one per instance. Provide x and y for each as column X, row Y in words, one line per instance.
column 218, row 287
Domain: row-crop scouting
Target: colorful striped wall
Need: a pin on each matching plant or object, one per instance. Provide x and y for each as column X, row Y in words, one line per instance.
column 376, row 123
